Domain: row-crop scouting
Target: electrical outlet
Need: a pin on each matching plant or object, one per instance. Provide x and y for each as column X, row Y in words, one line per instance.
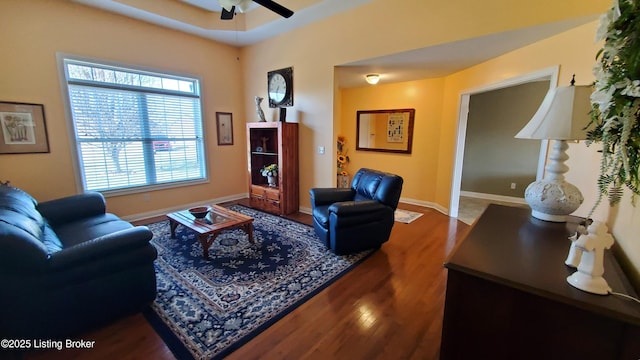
column 513, row 186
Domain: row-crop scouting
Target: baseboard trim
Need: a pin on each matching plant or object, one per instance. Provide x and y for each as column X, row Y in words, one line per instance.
column 161, row 212
column 427, row 204
column 511, row 199
column 302, row 209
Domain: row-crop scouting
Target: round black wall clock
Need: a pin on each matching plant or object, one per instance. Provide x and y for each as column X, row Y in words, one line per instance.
column 280, row 87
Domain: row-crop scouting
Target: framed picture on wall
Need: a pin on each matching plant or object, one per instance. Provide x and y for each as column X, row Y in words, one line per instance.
column 224, row 124
column 395, row 128
column 22, row 128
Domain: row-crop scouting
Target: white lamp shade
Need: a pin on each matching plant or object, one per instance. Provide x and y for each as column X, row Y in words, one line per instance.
column 563, row 115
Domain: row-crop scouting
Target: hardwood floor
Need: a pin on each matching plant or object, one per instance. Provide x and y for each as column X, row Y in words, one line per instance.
column 388, row 307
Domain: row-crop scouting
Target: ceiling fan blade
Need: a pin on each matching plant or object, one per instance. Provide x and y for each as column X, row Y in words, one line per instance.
column 275, row 7
column 227, row 15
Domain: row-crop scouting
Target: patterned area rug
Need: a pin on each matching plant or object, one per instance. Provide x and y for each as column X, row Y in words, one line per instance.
column 206, row 309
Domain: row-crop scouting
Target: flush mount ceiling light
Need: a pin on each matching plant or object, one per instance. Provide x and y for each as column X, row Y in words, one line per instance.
column 372, row 78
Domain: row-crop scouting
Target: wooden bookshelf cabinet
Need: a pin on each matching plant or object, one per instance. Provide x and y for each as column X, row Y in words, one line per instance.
column 273, row 143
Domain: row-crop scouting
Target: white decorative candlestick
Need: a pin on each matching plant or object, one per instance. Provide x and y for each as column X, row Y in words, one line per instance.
column 575, row 252
column 589, row 275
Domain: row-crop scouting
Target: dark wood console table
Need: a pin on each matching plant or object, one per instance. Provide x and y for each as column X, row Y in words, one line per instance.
column 508, row 298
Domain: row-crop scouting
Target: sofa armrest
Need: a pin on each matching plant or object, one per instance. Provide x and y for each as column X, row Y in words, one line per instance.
column 72, row 208
column 119, row 241
column 326, row 196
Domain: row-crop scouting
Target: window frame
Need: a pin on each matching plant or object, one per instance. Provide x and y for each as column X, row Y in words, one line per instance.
column 74, row 146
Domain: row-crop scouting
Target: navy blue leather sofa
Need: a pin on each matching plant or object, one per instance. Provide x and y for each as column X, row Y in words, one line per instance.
column 67, row 266
column 353, row 219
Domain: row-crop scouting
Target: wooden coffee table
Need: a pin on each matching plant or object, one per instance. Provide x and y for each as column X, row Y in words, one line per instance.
column 208, row 229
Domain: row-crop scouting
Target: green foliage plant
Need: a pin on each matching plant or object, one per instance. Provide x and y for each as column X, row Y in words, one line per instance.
column 616, row 102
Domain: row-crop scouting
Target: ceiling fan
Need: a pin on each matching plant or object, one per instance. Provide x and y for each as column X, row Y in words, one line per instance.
column 229, row 7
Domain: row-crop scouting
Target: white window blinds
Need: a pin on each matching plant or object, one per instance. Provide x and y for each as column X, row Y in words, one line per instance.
column 134, row 129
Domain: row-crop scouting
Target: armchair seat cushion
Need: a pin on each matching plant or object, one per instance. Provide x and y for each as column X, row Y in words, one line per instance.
column 358, row 218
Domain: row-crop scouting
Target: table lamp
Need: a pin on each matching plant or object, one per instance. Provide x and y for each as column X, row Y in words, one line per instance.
column 562, row 116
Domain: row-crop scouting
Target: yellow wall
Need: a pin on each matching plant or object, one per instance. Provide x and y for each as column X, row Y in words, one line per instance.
column 314, row 50
column 418, row 168
column 575, row 52
column 429, row 180
column 34, row 31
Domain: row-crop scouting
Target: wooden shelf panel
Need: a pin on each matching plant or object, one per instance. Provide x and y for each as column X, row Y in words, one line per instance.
column 278, row 143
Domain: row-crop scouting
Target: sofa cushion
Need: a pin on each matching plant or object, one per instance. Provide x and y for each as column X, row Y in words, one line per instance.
column 21, row 230
column 12, row 194
column 51, row 240
column 16, row 207
column 20, row 250
column 77, row 232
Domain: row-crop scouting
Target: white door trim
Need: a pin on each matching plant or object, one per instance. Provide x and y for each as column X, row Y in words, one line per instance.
column 550, row 74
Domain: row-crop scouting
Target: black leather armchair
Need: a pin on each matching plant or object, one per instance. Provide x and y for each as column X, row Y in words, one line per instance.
column 360, row 217
column 67, row 266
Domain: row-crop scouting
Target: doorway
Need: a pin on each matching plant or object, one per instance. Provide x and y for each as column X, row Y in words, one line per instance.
column 549, row 74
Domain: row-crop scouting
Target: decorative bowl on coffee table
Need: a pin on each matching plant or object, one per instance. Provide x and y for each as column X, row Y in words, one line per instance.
column 200, row 212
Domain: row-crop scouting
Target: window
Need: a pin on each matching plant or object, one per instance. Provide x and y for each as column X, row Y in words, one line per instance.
column 134, row 129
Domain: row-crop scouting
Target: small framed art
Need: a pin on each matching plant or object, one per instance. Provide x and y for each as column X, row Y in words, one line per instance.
column 22, row 128
column 224, row 124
